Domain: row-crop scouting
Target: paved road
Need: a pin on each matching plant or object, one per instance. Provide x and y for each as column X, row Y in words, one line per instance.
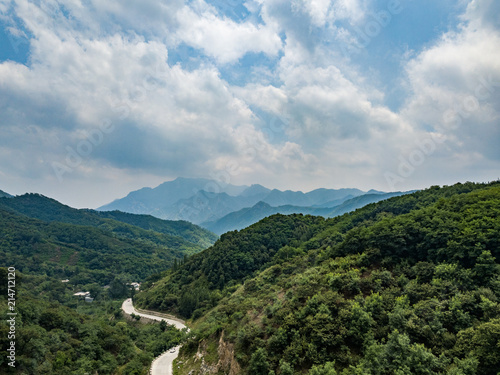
column 163, row 364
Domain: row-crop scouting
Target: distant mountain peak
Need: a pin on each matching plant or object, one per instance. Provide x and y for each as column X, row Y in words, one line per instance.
column 373, row 191
column 255, row 189
column 261, row 204
column 201, row 200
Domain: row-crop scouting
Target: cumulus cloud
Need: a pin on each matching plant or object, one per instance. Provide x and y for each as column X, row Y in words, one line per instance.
column 456, row 84
column 99, row 100
column 224, row 39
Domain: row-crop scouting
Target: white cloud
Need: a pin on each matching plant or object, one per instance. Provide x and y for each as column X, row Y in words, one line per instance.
column 224, row 39
column 76, row 83
column 96, row 63
column 456, row 85
column 483, row 14
column 352, row 10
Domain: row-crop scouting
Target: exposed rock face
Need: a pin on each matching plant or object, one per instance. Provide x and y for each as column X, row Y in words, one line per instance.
column 227, row 363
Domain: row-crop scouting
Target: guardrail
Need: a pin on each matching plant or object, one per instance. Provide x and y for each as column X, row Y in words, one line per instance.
column 160, row 315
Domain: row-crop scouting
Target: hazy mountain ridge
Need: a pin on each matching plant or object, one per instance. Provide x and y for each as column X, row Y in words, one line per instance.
column 148, row 200
column 204, row 202
column 247, row 216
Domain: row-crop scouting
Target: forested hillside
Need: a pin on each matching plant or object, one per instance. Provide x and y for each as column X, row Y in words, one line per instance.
column 3, row 194
column 179, row 233
column 197, row 284
column 410, row 285
column 60, row 334
column 41, row 236
column 82, row 253
column 97, row 252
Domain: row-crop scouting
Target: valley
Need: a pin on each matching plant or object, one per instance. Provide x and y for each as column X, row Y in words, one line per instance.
column 407, row 283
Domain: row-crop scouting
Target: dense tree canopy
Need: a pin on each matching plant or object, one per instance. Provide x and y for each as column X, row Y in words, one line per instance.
column 410, row 285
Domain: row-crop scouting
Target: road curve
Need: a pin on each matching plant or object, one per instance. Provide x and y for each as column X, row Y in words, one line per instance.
column 163, row 364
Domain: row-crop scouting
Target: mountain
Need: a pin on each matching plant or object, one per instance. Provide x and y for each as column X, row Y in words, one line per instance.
column 313, row 198
column 361, row 201
column 256, row 190
column 202, row 200
column 247, row 216
column 175, row 233
column 178, row 228
column 56, row 251
column 154, row 201
column 41, row 235
column 406, row 285
column 3, row 194
column 204, row 206
column 83, row 254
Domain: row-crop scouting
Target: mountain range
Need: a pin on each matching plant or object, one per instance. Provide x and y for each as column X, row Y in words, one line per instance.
column 221, row 208
column 247, row 216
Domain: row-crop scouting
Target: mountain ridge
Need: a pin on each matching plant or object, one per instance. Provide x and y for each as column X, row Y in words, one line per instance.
column 247, row 216
column 202, row 200
column 3, row 194
column 46, row 209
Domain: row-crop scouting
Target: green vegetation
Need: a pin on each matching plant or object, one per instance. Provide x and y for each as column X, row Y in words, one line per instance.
column 60, row 334
column 176, row 234
column 410, row 285
column 197, row 284
column 3, row 194
column 189, row 232
column 41, row 236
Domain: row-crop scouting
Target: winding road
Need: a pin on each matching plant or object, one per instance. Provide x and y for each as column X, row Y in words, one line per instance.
column 163, row 364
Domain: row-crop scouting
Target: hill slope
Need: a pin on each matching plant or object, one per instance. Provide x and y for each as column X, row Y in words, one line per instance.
column 42, row 236
column 3, row 194
column 181, row 235
column 408, row 285
column 247, row 216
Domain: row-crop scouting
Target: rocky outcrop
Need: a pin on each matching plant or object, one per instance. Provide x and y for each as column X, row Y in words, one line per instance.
column 227, row 363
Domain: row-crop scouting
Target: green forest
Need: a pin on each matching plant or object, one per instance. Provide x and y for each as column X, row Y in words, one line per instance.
column 60, row 334
column 99, row 252
column 41, row 236
column 410, row 285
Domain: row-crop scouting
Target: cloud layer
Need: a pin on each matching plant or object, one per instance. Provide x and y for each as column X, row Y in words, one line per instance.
column 114, row 96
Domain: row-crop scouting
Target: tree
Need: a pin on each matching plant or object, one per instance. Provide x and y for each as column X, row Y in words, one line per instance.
column 285, row 368
column 483, row 342
column 163, row 325
column 258, row 363
column 326, row 369
column 399, row 356
column 485, row 267
column 117, row 289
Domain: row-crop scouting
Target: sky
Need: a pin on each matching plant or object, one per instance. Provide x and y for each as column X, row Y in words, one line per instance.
column 99, row 98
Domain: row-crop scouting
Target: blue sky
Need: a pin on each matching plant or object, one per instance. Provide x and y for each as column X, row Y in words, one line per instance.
column 101, row 98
